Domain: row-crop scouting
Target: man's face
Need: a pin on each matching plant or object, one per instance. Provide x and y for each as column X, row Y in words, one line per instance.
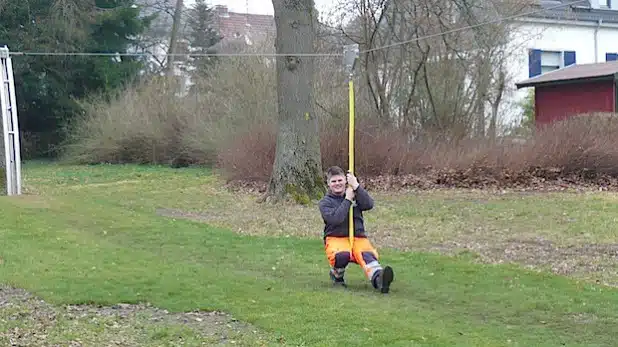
column 337, row 184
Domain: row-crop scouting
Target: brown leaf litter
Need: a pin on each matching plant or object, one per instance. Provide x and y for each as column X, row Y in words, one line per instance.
column 532, row 179
column 26, row 320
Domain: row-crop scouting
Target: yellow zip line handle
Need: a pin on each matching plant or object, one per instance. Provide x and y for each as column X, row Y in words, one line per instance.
column 351, row 157
column 350, row 58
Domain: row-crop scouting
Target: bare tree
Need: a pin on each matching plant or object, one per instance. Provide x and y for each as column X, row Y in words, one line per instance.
column 156, row 39
column 433, row 66
column 174, row 37
column 297, row 170
column 163, row 34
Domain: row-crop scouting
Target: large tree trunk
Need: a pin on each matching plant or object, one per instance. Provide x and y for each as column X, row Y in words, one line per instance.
column 297, row 170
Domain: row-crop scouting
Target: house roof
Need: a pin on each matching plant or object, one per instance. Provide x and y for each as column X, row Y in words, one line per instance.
column 241, row 29
column 233, row 25
column 581, row 11
column 574, row 73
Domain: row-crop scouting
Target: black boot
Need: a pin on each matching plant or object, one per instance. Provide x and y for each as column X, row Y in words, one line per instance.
column 382, row 279
column 337, row 281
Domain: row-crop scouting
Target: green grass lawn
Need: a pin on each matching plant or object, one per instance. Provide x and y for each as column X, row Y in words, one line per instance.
column 96, row 235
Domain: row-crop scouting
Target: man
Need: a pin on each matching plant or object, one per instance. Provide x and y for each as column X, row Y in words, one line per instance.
column 344, row 191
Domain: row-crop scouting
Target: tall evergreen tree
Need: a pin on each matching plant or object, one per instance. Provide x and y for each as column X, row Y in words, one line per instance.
column 48, row 85
column 202, row 37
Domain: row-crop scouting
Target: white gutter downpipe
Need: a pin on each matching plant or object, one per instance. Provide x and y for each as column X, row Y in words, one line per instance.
column 596, row 40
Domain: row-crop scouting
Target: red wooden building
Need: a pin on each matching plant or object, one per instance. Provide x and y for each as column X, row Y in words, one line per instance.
column 576, row 89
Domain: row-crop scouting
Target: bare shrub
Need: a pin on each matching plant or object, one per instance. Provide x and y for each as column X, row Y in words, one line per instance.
column 150, row 123
column 250, row 155
column 240, row 93
column 583, row 147
column 584, row 142
column 378, row 148
column 143, row 124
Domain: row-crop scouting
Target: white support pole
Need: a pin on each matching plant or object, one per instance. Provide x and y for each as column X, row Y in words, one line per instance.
column 4, row 101
column 10, row 127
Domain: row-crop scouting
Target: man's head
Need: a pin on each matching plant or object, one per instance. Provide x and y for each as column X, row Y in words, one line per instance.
column 336, row 180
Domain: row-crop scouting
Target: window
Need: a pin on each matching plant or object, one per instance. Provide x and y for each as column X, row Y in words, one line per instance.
column 540, row 62
column 611, row 56
column 604, row 3
column 550, row 61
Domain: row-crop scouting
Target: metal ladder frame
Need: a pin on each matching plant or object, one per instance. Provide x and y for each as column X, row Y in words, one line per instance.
column 10, row 127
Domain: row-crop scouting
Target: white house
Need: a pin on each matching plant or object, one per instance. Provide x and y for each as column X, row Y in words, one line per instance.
column 576, row 33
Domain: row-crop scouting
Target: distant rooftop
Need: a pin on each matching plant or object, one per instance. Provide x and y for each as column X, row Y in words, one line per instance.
column 606, row 70
column 234, row 25
column 586, row 10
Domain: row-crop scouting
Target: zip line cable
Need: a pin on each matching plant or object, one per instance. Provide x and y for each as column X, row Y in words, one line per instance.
column 96, row 54
column 176, row 54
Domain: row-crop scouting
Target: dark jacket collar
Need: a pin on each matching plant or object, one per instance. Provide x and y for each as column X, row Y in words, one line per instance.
column 333, row 195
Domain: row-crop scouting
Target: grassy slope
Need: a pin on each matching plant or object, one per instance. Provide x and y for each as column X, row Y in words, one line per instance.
column 91, row 234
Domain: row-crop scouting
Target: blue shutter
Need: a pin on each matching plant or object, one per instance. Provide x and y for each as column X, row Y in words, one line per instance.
column 611, row 56
column 534, row 62
column 569, row 58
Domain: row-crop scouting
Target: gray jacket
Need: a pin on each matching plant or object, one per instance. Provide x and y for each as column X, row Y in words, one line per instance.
column 335, row 210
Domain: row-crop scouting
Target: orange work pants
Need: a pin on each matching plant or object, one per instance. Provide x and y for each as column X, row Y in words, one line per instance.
column 339, row 254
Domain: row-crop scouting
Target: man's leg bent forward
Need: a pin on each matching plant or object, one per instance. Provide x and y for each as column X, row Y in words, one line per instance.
column 338, row 252
column 367, row 257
